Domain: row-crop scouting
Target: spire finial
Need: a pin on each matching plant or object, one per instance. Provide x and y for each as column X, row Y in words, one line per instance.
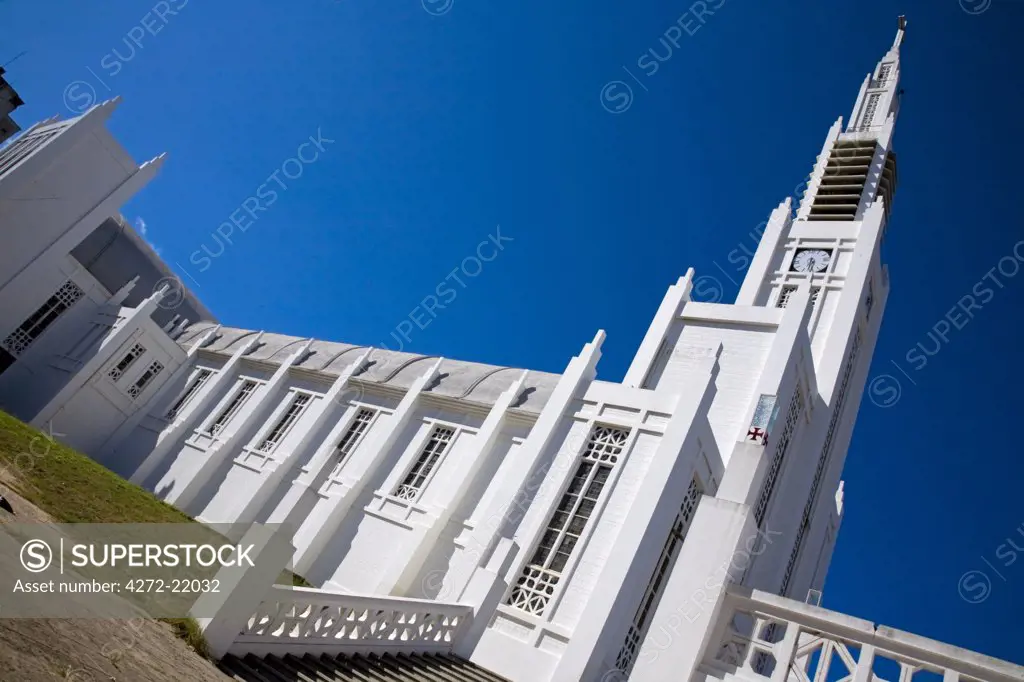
column 900, row 33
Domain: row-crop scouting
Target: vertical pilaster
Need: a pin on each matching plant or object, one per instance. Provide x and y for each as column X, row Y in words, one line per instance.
column 457, row 483
column 312, row 475
column 718, row 548
column 224, row 444
column 315, row 532
column 602, row 627
column 581, row 370
column 199, row 410
column 845, row 320
column 671, row 305
column 767, row 248
column 283, row 463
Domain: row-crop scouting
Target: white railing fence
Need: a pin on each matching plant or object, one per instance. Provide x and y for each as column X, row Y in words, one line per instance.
column 761, row 636
column 302, row 620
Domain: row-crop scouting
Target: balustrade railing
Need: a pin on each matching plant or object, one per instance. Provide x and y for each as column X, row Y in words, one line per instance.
column 304, row 620
column 763, row 636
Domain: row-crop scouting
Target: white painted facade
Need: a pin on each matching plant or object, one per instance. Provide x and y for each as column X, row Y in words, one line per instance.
column 591, row 527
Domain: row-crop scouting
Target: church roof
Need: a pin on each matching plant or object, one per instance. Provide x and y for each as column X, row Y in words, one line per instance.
column 471, row 381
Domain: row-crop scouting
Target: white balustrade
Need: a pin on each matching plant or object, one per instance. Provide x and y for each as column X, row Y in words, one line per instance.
column 763, row 636
column 301, row 620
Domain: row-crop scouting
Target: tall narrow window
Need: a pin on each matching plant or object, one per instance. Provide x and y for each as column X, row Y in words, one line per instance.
column 536, row 585
column 190, row 392
column 638, row 629
column 241, row 396
column 784, row 296
column 285, row 423
column 815, row 294
column 353, row 435
column 819, row 470
column 133, row 354
column 136, row 389
column 414, row 480
column 796, row 408
column 18, row 341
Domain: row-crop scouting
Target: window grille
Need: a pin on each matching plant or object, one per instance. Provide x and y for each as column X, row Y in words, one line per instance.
column 190, row 392
column 537, row 583
column 869, row 110
column 784, row 296
column 136, row 389
column 353, row 435
column 284, row 424
column 638, row 629
column 417, row 476
column 815, row 294
column 133, row 354
column 241, row 396
column 18, row 341
column 869, row 301
column 796, row 408
column 24, row 146
column 883, row 75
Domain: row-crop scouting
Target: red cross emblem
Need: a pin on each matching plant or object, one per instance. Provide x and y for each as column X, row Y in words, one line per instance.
column 756, row 434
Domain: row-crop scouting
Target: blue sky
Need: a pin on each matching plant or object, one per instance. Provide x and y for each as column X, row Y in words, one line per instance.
column 447, row 119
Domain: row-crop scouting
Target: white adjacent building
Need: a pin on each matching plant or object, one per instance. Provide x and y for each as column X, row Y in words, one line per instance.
column 587, row 529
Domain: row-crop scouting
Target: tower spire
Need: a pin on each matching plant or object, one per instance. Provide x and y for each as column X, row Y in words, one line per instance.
column 879, row 96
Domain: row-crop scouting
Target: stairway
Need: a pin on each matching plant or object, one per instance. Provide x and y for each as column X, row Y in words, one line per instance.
column 386, row 667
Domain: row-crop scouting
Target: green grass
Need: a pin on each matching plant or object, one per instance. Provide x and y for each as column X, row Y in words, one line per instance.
column 188, row 630
column 69, row 486
column 72, row 488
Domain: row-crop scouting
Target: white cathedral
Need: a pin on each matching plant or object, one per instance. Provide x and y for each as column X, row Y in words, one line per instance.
column 505, row 523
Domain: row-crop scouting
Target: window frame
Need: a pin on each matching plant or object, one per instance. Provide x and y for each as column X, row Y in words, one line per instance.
column 563, row 578
column 145, row 379
column 195, row 384
column 230, row 409
column 287, row 420
column 339, row 464
column 39, row 321
column 431, row 460
column 128, row 359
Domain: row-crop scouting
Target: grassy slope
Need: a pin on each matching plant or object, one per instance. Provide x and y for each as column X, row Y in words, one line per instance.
column 69, row 486
column 72, row 488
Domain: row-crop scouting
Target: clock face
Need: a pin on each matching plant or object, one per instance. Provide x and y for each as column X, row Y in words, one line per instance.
column 811, row 260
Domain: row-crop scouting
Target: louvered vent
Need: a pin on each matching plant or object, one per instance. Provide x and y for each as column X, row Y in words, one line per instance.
column 843, row 183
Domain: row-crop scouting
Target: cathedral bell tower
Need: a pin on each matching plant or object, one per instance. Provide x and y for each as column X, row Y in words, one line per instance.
column 834, row 240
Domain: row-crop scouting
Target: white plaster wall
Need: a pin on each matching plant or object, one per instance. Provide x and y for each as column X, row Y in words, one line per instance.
column 341, row 557
column 242, row 482
column 88, row 419
column 745, row 350
column 81, row 176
